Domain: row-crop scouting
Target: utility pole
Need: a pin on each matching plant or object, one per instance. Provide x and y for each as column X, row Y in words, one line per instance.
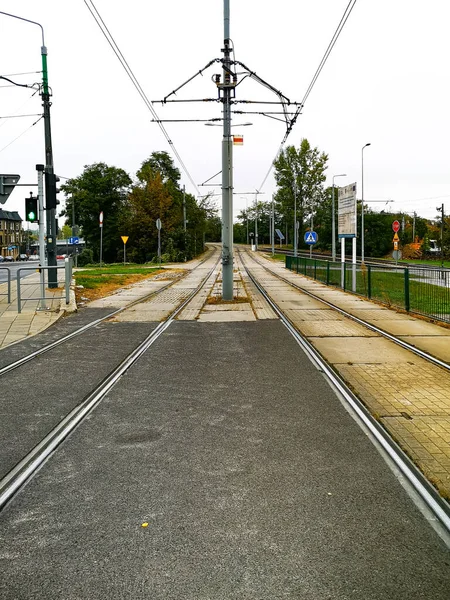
column 50, row 187
column 50, row 191
column 227, row 162
column 414, row 228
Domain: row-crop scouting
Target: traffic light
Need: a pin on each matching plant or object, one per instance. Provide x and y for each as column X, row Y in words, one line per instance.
column 31, row 209
column 51, row 190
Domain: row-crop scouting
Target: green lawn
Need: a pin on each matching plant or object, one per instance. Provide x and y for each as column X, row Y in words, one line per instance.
column 92, row 277
column 387, row 286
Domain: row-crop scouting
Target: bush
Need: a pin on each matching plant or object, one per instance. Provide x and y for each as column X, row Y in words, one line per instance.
column 86, row 257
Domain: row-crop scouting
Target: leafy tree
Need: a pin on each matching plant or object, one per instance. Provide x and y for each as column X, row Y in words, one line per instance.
column 300, row 172
column 157, row 195
column 65, row 233
column 99, row 188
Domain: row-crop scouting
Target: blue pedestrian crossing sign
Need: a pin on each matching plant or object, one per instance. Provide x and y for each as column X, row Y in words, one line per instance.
column 311, row 237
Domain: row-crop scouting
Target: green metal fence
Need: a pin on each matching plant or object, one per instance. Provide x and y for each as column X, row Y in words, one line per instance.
column 418, row 290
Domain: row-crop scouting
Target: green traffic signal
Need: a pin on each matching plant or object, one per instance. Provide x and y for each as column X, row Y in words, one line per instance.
column 31, row 209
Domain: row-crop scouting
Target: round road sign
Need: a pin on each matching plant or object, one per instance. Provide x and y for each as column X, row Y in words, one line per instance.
column 395, row 226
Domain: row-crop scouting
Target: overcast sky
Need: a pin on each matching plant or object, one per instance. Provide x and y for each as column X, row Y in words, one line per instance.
column 386, row 82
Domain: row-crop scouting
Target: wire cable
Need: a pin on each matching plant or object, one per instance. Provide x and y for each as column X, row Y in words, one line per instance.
column 327, row 53
column 111, row 41
column 23, row 133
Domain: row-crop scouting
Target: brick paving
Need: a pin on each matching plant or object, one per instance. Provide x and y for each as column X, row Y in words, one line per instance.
column 407, row 394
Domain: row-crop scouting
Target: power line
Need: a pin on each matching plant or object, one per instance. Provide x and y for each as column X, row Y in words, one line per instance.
column 23, row 133
column 327, row 53
column 111, row 41
column 18, row 116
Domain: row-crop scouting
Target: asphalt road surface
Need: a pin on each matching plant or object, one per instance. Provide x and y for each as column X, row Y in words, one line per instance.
column 221, row 466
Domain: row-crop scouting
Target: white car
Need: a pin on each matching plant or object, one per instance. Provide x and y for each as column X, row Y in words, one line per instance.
column 34, row 257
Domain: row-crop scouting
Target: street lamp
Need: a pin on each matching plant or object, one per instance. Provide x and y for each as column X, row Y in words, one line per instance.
column 362, row 201
column 333, row 220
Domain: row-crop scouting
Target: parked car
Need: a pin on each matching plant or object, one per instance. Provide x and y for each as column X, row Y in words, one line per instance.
column 2, row 258
column 22, row 257
column 33, row 257
column 9, row 258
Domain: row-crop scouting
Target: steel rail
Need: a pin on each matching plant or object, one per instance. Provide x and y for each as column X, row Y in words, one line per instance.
column 374, row 328
column 88, row 326
column 428, row 494
column 24, row 470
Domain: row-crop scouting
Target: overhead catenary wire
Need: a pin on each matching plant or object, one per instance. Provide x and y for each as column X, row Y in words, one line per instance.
column 23, row 133
column 111, row 41
column 324, row 59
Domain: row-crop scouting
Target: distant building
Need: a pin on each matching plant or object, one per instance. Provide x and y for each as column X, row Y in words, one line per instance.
column 11, row 234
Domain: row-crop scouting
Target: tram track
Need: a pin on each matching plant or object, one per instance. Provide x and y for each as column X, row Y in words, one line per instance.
column 436, row 506
column 425, row 355
column 21, row 361
column 33, row 460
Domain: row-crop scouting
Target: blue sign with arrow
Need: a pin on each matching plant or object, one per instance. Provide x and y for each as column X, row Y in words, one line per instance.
column 311, row 237
column 74, row 240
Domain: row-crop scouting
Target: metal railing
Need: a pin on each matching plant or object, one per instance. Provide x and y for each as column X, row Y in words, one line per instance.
column 8, row 292
column 415, row 289
column 42, row 270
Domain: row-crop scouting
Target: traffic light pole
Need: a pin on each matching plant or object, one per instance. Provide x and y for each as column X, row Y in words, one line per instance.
column 40, row 172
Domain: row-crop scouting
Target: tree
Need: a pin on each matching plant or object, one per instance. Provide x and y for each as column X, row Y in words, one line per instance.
column 300, row 173
column 99, row 188
column 65, row 233
column 157, row 195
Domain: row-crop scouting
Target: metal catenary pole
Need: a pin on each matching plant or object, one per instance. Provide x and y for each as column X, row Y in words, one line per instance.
column 51, row 212
column 227, row 166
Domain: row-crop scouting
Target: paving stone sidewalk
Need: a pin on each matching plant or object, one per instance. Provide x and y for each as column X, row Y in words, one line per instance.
column 35, row 316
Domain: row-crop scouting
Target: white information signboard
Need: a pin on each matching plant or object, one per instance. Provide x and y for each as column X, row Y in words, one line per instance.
column 347, row 211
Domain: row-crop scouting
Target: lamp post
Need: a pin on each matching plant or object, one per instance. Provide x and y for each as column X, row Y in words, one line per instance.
column 50, row 190
column 362, row 201
column 333, row 220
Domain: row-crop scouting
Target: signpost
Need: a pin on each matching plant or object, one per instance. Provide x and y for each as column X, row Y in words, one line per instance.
column 100, row 220
column 311, row 238
column 397, row 253
column 7, row 184
column 124, row 240
column 158, row 227
column 280, row 235
column 347, row 227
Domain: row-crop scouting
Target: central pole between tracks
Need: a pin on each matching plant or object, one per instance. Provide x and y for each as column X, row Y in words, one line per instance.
column 227, row 165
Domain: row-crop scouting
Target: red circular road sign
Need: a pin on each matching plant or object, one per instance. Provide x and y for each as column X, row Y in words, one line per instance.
column 396, row 226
